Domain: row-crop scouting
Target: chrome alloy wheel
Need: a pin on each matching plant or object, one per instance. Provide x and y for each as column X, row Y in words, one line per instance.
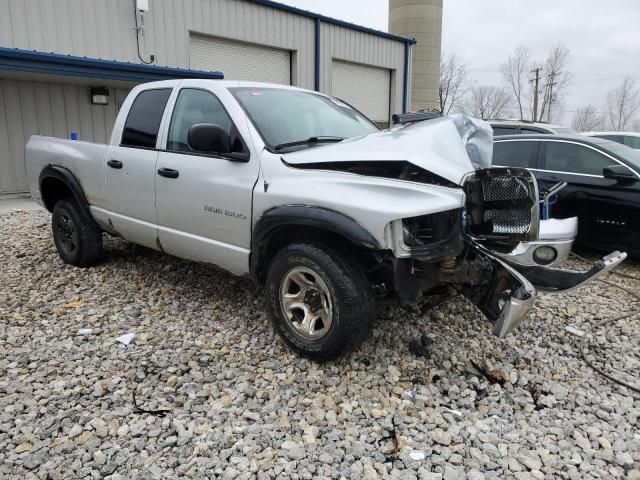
column 306, row 303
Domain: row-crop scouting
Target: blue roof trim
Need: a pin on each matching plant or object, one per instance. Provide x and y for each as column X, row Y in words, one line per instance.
column 334, row 21
column 68, row 65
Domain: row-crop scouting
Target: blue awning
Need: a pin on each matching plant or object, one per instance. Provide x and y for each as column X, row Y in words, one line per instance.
column 67, row 65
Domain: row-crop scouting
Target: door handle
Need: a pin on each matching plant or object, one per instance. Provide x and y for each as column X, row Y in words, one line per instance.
column 168, row 172
column 115, row 163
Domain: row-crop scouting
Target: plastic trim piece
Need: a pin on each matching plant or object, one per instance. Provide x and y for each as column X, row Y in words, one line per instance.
column 66, row 177
column 306, row 216
column 69, row 65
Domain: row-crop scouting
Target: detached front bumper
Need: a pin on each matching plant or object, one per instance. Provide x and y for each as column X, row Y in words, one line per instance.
column 512, row 289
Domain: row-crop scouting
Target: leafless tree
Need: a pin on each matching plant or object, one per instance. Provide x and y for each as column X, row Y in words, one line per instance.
column 622, row 104
column 515, row 72
column 587, row 119
column 487, row 102
column 453, row 79
column 558, row 79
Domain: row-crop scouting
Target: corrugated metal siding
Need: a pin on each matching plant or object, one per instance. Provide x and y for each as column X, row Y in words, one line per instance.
column 241, row 61
column 104, row 29
column 29, row 108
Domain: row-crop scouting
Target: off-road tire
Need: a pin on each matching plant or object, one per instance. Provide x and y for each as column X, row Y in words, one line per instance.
column 352, row 299
column 77, row 238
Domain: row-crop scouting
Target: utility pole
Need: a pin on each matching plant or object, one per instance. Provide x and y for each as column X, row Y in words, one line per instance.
column 550, row 85
column 536, row 86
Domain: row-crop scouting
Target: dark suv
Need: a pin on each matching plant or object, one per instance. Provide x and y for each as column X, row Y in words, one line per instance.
column 603, row 183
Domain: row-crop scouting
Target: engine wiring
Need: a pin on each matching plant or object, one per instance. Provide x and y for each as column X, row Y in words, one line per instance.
column 584, row 345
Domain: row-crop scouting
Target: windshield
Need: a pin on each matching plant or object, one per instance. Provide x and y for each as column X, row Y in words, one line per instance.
column 626, row 153
column 287, row 116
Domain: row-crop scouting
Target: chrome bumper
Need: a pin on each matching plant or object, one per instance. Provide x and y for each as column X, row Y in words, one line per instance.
column 551, row 279
column 513, row 287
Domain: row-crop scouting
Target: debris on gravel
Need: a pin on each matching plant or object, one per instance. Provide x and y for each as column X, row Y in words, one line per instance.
column 234, row 402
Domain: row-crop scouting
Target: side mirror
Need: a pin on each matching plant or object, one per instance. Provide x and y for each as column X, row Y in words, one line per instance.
column 208, row 137
column 620, row 173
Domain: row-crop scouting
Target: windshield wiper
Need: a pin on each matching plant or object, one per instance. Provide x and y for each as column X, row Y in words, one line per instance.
column 310, row 140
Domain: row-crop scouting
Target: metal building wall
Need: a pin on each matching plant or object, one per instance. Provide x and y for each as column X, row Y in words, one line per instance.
column 104, row 29
column 28, row 107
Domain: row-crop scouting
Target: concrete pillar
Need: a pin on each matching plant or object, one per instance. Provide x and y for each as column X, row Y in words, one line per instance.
column 421, row 19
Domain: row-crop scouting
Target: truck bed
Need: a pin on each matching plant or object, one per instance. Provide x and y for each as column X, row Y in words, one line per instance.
column 84, row 159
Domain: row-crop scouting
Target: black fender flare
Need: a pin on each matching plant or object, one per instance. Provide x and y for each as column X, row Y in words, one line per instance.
column 65, row 176
column 307, row 216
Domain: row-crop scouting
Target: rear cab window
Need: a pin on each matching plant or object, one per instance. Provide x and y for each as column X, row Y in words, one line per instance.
column 143, row 121
column 518, row 153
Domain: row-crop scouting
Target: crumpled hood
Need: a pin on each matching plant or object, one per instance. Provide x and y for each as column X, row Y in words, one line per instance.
column 448, row 146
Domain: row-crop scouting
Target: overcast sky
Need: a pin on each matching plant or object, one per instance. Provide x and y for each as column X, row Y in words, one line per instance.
column 602, row 35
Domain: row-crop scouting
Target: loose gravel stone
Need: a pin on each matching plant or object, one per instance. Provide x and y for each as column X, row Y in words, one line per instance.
column 239, row 404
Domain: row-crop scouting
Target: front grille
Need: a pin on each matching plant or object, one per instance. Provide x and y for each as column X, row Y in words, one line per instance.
column 504, row 188
column 502, row 203
column 508, row 221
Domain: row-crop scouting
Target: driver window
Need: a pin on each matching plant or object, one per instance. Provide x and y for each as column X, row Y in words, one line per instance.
column 192, row 107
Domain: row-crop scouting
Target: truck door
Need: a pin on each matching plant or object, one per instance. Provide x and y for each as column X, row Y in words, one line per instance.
column 204, row 199
column 130, row 171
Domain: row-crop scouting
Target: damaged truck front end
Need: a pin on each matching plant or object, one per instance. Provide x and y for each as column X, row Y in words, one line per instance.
column 450, row 253
column 441, row 255
column 443, row 218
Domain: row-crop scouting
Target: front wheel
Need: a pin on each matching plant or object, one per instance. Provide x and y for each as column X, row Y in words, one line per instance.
column 320, row 302
column 78, row 239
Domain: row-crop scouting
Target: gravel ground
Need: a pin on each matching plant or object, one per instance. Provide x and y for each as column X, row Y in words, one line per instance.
column 241, row 405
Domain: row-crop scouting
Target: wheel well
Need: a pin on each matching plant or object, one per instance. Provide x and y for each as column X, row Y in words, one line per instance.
column 286, row 235
column 53, row 190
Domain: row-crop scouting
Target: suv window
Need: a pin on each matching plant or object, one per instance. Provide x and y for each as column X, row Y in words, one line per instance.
column 503, row 131
column 633, row 142
column 195, row 106
column 574, row 158
column 613, row 138
column 532, row 131
column 515, row 154
column 143, row 121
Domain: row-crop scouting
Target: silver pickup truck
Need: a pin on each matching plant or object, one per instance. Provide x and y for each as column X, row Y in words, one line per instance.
column 304, row 194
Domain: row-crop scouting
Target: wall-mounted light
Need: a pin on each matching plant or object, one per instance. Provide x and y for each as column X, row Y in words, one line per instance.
column 99, row 95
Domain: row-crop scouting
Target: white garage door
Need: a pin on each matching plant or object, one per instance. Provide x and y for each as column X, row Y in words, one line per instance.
column 38, row 108
column 365, row 87
column 240, row 61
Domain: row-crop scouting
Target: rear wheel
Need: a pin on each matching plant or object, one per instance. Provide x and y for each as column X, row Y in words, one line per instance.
column 77, row 238
column 319, row 300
